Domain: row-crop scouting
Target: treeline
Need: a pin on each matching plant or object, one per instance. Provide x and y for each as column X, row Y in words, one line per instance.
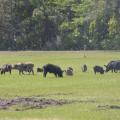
column 61, row 25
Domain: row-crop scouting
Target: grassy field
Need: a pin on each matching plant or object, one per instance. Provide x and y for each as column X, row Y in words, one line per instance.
column 99, row 95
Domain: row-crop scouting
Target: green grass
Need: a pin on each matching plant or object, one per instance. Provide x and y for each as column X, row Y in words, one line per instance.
column 102, row 89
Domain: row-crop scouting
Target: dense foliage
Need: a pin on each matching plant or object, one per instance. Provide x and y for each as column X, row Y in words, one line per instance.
column 62, row 25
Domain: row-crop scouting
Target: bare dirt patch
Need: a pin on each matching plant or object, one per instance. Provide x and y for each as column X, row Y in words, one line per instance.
column 37, row 102
column 104, row 107
column 26, row 103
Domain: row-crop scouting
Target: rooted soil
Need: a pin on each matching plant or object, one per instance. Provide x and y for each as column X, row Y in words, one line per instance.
column 26, row 103
column 103, row 107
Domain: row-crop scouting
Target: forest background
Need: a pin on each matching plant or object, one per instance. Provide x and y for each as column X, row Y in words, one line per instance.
column 59, row 24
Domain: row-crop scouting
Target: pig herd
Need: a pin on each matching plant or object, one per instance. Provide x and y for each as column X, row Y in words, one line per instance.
column 28, row 67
